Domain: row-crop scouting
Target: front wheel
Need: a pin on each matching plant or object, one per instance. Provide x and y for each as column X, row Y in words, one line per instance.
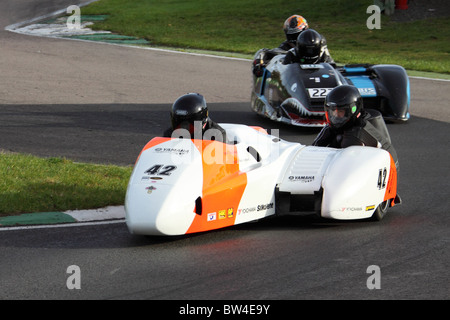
column 381, row 210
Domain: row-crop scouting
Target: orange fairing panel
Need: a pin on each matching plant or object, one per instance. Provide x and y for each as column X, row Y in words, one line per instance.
column 153, row 142
column 259, row 129
column 223, row 186
column 391, row 190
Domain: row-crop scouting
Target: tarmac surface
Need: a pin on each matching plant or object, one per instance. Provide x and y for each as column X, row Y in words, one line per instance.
column 101, row 103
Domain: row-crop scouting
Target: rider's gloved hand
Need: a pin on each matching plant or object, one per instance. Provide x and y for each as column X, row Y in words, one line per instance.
column 257, row 68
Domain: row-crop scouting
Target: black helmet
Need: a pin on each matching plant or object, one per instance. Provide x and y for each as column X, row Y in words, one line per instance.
column 309, row 45
column 343, row 105
column 187, row 109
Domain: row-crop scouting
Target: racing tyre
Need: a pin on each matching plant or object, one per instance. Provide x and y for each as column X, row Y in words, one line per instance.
column 381, row 210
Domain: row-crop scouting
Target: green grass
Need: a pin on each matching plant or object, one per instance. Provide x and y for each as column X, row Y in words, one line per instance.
column 244, row 26
column 33, row 184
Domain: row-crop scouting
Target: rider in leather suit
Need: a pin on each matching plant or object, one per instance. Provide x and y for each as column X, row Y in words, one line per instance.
column 292, row 27
column 190, row 112
column 311, row 48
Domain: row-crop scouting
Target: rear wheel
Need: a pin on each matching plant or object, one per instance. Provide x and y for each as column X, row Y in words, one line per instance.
column 381, row 210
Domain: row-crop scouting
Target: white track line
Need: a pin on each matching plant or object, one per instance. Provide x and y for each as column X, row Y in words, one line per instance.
column 13, row 28
column 425, row 78
column 62, row 225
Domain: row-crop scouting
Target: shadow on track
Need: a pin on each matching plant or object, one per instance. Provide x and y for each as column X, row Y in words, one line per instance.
column 110, row 133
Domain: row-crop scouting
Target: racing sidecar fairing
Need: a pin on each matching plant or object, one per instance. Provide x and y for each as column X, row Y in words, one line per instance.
column 295, row 93
column 182, row 186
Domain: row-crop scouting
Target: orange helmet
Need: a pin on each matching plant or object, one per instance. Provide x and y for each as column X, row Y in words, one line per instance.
column 293, row 26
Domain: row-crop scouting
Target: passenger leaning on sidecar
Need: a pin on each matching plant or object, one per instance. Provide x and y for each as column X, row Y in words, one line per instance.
column 292, row 27
column 311, row 48
column 349, row 124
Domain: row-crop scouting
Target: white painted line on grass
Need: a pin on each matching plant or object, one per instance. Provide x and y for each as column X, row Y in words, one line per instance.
column 107, row 213
column 37, row 31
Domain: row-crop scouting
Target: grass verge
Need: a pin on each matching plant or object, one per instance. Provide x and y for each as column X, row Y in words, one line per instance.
column 244, row 26
column 33, row 184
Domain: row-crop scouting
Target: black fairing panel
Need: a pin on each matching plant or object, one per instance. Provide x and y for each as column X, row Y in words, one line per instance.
column 392, row 84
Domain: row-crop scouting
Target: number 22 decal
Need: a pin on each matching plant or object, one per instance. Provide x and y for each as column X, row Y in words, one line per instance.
column 382, row 173
column 318, row 92
column 160, row 170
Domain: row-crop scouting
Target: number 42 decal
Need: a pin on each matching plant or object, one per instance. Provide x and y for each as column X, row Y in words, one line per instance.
column 160, row 170
column 382, row 173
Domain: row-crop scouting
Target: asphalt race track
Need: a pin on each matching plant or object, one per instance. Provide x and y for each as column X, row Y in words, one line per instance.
column 101, row 103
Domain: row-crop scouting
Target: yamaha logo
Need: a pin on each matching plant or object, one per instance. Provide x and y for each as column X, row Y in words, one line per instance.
column 303, row 179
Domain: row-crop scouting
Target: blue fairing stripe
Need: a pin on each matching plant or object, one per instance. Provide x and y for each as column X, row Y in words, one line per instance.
column 355, row 69
column 266, row 75
column 408, row 92
column 364, row 85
